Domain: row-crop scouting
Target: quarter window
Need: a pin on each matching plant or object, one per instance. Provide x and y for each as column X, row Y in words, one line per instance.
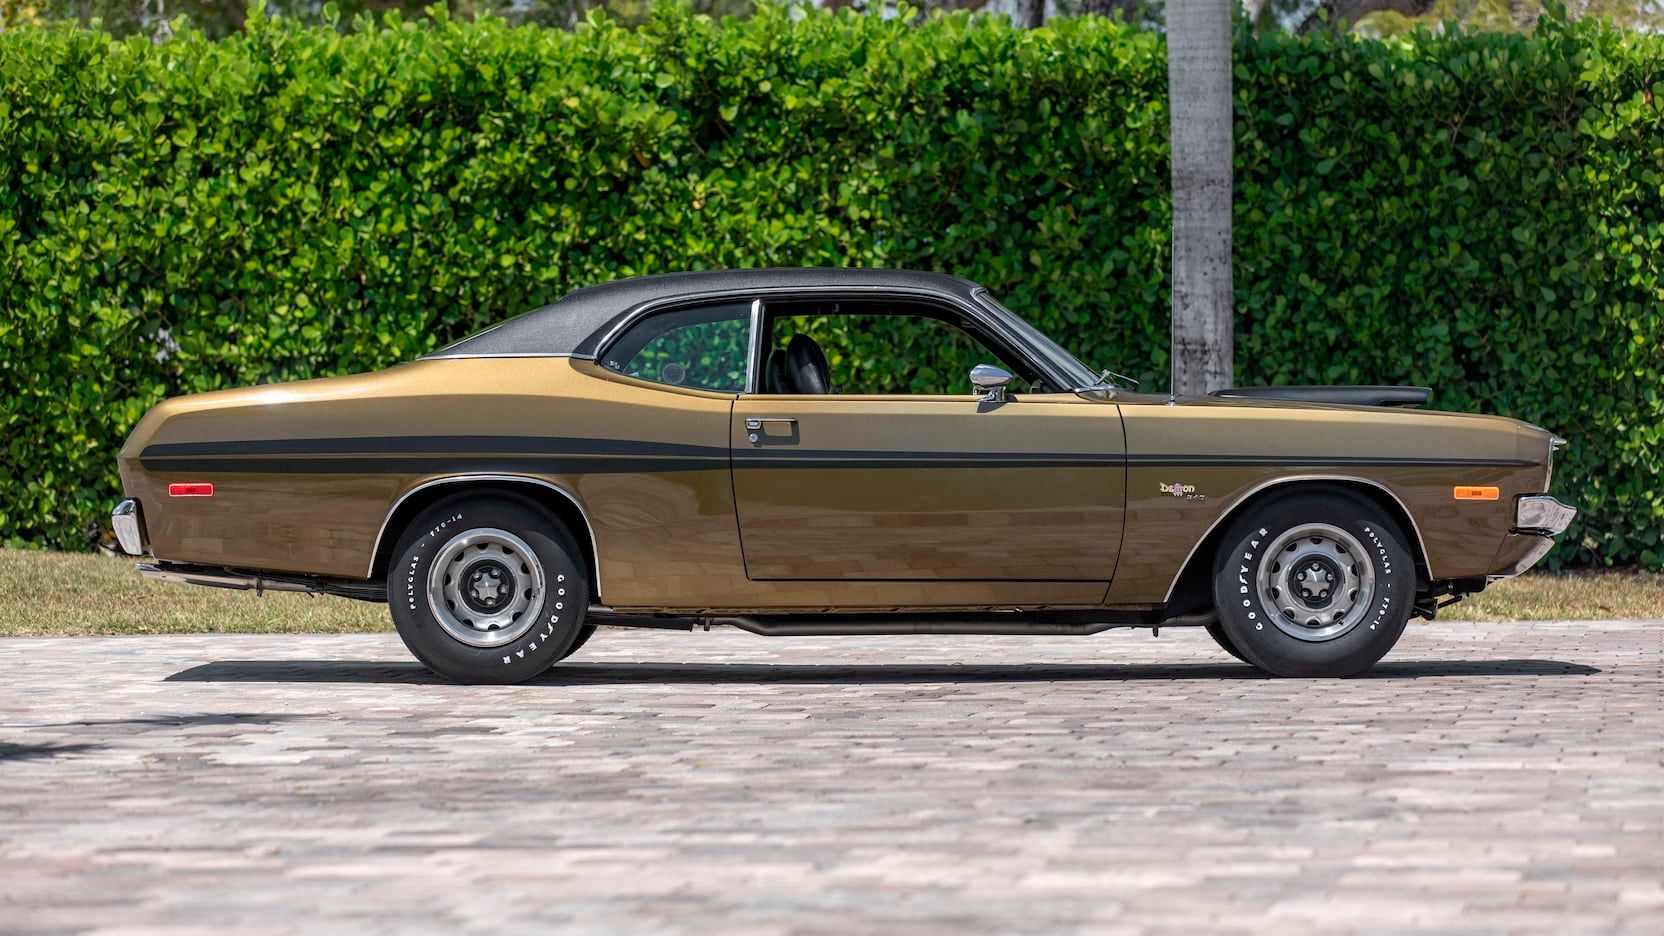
column 703, row 347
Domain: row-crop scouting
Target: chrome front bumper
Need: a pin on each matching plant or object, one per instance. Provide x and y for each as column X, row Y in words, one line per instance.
column 129, row 527
column 1542, row 515
column 1538, row 518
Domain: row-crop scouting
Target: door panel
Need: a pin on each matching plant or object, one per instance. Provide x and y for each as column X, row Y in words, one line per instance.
column 928, row 488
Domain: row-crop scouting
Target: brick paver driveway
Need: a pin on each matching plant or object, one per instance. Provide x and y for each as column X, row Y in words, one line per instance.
column 1487, row 777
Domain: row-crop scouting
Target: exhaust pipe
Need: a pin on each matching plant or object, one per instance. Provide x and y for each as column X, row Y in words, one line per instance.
column 184, row 573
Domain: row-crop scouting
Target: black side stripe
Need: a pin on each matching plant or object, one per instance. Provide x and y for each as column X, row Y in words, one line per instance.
column 790, row 457
column 1321, row 461
column 595, row 464
column 542, row 455
column 481, row 464
column 433, row 455
column 435, row 445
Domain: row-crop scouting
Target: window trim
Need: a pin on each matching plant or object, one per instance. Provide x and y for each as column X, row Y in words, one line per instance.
column 641, row 315
column 976, row 311
column 990, row 345
column 754, row 362
column 984, row 299
column 599, row 371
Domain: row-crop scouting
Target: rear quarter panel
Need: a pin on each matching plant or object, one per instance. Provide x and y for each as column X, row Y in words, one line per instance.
column 341, row 452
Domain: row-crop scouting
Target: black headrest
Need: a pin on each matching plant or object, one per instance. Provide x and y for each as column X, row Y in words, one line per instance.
column 774, row 373
column 806, row 366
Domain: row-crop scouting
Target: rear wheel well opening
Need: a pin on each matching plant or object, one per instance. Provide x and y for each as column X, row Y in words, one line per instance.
column 563, row 506
column 1194, row 587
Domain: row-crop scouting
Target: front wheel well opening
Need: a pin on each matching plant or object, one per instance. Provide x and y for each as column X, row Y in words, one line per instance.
column 1194, row 587
column 561, row 505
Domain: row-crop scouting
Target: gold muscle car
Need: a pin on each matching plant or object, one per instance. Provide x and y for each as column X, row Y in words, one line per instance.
column 698, row 449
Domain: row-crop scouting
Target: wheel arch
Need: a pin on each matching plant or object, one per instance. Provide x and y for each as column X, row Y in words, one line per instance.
column 1192, row 586
column 556, row 499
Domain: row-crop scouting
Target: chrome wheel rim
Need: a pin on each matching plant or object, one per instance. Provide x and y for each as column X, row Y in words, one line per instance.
column 1316, row 581
column 486, row 587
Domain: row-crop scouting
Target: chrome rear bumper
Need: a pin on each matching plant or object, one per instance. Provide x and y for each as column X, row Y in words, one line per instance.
column 1542, row 515
column 129, row 527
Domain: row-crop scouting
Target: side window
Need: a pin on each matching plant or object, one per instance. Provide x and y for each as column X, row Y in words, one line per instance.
column 888, row 353
column 704, row 347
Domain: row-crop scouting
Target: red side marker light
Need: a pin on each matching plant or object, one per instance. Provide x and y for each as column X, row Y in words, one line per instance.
column 193, row 489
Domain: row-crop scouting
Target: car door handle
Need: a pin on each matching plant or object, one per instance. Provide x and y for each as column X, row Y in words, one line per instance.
column 754, row 429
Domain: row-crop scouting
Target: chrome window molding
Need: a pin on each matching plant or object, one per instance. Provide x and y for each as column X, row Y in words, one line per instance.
column 754, row 359
column 648, row 310
column 972, row 310
column 594, row 546
column 607, row 373
column 637, row 312
column 506, row 354
column 993, row 319
column 1421, row 544
column 1018, row 331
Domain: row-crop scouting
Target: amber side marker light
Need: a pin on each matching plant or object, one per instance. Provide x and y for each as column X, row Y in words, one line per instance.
column 1465, row 492
column 194, row 489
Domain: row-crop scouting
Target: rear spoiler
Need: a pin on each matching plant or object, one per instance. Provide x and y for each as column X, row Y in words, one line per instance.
column 1356, row 396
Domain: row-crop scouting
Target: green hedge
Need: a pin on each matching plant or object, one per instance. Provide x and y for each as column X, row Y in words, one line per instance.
column 1477, row 213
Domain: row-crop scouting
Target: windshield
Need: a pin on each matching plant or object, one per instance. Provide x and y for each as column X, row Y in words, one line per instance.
column 1078, row 374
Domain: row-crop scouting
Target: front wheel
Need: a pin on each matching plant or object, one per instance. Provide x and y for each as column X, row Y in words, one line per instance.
column 1317, row 584
column 488, row 589
column 584, row 633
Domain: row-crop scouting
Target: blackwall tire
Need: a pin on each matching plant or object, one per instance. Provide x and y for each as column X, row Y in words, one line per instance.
column 1317, row 584
column 488, row 589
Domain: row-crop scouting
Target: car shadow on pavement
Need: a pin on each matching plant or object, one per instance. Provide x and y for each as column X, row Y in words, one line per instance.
column 23, row 752
column 569, row 674
column 107, row 729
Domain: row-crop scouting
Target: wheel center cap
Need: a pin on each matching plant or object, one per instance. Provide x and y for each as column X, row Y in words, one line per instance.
column 487, row 587
column 1314, row 581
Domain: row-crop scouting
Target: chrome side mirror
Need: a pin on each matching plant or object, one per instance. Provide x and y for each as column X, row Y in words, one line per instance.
column 990, row 381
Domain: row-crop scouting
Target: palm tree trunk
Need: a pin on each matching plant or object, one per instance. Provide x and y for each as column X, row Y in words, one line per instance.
column 1199, row 111
column 1030, row 14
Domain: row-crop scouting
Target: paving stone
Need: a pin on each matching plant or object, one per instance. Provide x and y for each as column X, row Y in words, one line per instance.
column 1486, row 777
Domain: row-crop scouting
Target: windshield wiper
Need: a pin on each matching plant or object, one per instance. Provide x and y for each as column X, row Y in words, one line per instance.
column 1119, row 381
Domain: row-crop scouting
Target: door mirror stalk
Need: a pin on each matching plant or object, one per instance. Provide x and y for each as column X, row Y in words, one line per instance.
column 990, row 381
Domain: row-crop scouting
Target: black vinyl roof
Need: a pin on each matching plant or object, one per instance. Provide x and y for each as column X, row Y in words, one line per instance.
column 578, row 321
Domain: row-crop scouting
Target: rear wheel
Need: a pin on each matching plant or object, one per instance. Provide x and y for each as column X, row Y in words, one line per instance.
column 488, row 589
column 1317, row 584
column 1224, row 641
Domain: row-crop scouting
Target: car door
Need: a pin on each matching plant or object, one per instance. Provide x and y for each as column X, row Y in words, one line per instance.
column 900, row 486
